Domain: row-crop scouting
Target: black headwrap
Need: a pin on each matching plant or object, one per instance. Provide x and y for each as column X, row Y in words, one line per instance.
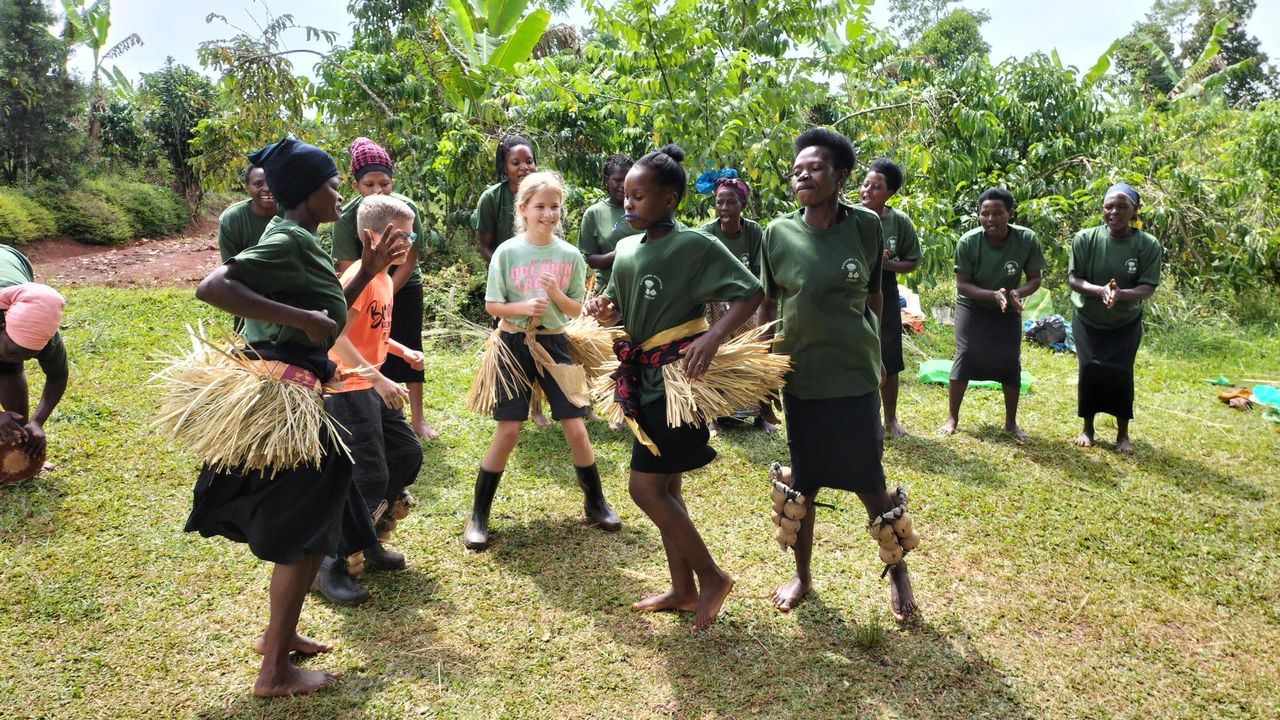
column 294, row 170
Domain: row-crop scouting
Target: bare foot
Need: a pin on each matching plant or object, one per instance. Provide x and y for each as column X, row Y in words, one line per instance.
column 789, row 595
column 902, row 601
column 291, row 681
column 1017, row 433
column 668, row 600
column 1084, row 440
column 895, row 430
column 425, row 431
column 1122, row 445
column 540, row 421
column 714, row 428
column 711, row 597
column 948, row 427
column 300, row 644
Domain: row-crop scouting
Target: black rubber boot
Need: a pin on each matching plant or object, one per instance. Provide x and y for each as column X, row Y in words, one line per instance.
column 336, row 585
column 476, row 534
column 594, row 505
column 378, row 557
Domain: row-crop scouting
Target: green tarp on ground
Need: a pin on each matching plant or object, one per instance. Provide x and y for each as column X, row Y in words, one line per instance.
column 938, row 372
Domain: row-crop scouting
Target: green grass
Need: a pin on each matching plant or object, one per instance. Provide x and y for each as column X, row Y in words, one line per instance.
column 1054, row 582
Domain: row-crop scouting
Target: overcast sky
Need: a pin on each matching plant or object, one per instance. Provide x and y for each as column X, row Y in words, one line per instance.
column 1079, row 29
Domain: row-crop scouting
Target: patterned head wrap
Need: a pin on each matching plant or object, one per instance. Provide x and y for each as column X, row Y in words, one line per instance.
column 368, row 156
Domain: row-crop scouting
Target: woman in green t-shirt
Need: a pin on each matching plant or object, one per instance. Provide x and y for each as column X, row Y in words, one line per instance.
column 495, row 212
column 285, row 289
column 990, row 263
column 661, row 284
column 602, row 223
column 742, row 237
column 822, row 265
column 1114, row 269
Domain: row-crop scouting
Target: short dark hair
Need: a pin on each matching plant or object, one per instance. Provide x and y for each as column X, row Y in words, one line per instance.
column 617, row 163
column 997, row 193
column 505, row 146
column 244, row 176
column 842, row 155
column 890, row 170
column 666, row 167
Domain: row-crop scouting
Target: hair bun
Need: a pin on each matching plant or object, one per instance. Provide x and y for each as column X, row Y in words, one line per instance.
column 673, row 151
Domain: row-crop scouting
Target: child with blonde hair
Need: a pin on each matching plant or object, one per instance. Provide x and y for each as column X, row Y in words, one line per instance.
column 537, row 283
column 384, row 449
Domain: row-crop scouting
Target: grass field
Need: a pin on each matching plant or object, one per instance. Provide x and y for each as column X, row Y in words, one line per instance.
column 1053, row 582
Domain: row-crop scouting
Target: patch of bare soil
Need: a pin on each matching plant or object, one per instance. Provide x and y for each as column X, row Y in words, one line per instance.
column 183, row 260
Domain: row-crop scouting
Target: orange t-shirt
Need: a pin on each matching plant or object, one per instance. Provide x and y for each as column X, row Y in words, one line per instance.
column 370, row 328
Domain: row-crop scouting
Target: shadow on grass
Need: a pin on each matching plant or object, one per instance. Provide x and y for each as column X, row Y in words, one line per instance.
column 923, row 455
column 812, row 663
column 395, row 641
column 1192, row 477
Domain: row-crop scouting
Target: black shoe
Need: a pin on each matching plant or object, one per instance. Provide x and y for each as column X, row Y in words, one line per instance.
column 476, row 534
column 594, row 505
column 336, row 585
column 378, row 557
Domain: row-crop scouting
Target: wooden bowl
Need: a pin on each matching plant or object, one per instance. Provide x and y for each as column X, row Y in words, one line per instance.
column 16, row 465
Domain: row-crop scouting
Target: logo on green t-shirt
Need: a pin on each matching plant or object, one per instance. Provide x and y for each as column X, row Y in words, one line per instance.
column 745, row 258
column 891, row 244
column 1011, row 268
column 652, row 284
column 853, row 269
column 1131, row 266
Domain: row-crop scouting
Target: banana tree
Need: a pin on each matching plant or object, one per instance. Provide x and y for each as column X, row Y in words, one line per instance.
column 89, row 25
column 495, row 36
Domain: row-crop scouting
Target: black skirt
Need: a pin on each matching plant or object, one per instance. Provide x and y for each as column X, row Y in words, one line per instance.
column 988, row 344
column 683, row 448
column 295, row 512
column 835, row 443
column 1106, row 360
column 406, row 329
column 287, row 516
column 891, row 326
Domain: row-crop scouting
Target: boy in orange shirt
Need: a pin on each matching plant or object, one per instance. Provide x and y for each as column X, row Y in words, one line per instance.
column 384, row 448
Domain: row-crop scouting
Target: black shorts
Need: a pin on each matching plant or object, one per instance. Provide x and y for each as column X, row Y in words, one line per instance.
column 836, row 443
column 516, row 407
column 386, row 452
column 683, row 448
column 406, row 329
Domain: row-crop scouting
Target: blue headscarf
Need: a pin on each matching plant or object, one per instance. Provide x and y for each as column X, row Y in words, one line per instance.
column 294, row 170
column 1125, row 189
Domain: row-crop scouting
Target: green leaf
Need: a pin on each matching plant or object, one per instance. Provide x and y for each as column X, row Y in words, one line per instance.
column 504, row 14
column 1100, row 67
column 460, row 15
column 520, row 45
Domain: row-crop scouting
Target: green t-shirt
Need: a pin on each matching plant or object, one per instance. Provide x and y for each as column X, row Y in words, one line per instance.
column 289, row 266
column 900, row 235
column 822, row 278
column 744, row 244
column 346, row 241
column 667, row 282
column 993, row 267
column 515, row 275
column 239, row 227
column 1096, row 257
column 602, row 228
column 15, row 269
column 496, row 212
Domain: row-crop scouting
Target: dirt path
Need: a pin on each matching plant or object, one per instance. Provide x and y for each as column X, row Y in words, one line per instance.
column 182, row 260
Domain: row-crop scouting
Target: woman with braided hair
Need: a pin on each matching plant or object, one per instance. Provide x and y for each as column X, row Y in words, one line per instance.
column 823, row 264
column 662, row 281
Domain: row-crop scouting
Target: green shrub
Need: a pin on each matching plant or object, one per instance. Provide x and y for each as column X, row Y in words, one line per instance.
column 88, row 218
column 156, row 211
column 23, row 220
column 453, row 291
